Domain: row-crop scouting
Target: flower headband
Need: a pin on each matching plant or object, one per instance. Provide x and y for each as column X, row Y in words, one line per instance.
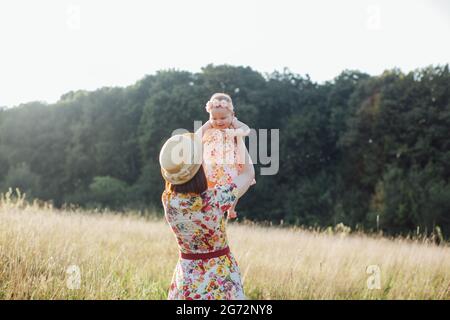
column 215, row 103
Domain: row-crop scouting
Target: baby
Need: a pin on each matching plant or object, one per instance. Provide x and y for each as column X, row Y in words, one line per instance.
column 223, row 143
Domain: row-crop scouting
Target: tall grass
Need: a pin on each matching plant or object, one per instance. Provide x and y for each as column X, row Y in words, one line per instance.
column 133, row 257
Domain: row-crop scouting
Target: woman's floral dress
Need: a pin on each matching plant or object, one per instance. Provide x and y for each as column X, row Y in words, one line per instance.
column 198, row 223
column 220, row 157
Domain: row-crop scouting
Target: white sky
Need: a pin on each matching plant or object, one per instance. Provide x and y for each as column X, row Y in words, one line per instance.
column 49, row 47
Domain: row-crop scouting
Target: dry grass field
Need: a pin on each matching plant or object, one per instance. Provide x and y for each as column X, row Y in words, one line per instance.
column 73, row 254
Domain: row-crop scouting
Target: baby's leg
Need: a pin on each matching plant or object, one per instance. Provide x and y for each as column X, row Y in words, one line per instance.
column 232, row 214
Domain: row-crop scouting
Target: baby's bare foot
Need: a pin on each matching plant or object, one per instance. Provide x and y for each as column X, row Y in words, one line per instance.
column 232, row 214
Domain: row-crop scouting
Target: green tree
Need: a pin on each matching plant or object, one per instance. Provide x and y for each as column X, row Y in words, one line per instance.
column 108, row 192
column 20, row 176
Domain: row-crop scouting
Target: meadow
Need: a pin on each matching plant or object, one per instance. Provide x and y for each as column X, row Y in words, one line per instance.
column 48, row 253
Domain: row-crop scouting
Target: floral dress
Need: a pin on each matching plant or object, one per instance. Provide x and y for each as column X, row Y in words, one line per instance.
column 221, row 157
column 198, row 223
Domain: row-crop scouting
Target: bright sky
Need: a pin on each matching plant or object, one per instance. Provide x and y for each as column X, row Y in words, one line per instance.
column 50, row 47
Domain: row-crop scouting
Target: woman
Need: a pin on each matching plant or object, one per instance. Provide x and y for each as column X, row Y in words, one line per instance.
column 206, row 268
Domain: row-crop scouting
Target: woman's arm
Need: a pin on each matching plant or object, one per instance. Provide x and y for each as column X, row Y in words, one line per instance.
column 241, row 129
column 244, row 180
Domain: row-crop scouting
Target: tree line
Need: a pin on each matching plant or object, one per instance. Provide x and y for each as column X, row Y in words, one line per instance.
column 371, row 152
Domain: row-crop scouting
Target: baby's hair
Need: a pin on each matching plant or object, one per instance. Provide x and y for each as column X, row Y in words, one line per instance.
column 220, row 97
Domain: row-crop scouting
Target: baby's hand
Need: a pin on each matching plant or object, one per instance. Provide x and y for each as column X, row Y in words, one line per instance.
column 232, row 214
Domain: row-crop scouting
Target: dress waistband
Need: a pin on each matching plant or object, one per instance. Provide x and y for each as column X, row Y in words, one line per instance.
column 208, row 255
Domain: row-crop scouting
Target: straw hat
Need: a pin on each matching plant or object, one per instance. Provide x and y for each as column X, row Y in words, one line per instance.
column 181, row 158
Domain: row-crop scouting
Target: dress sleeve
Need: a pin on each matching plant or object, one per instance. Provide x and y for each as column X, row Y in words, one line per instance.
column 225, row 196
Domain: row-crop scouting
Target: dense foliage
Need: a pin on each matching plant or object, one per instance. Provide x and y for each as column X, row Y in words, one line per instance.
column 372, row 152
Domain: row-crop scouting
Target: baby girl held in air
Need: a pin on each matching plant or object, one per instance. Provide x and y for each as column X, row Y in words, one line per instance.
column 222, row 137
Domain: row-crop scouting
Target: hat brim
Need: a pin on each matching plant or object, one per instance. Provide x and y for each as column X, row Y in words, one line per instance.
column 193, row 169
column 179, row 173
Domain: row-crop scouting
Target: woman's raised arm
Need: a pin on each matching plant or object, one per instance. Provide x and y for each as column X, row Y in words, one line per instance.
column 244, row 180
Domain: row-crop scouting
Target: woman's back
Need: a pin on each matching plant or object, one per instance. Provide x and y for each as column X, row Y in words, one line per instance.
column 198, row 221
column 199, row 225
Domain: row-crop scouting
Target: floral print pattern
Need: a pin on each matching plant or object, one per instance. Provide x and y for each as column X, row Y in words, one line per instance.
column 199, row 224
column 220, row 156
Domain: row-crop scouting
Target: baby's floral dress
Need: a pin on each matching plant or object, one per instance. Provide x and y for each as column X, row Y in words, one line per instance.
column 198, row 223
column 221, row 157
